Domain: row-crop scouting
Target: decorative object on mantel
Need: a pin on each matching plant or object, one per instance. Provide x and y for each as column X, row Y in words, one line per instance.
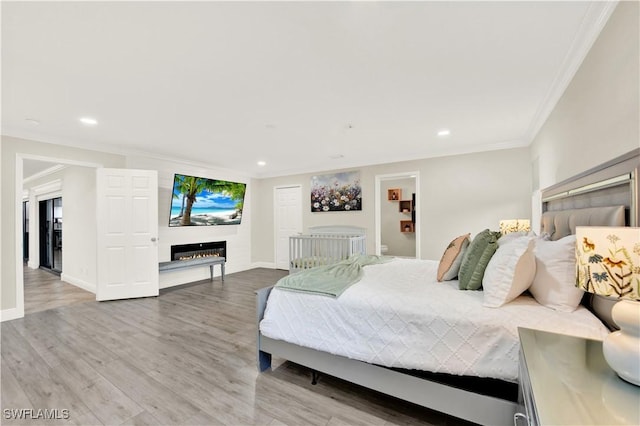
column 514, row 225
column 608, row 264
column 336, row 192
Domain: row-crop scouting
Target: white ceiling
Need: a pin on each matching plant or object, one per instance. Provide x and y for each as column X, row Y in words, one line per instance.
column 293, row 84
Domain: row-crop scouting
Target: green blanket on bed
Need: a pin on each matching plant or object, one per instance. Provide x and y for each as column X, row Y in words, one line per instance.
column 330, row 280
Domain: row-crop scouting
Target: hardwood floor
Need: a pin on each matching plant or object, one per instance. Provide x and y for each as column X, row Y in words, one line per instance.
column 186, row 357
column 43, row 290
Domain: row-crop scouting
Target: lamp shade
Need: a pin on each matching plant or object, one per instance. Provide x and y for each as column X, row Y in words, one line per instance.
column 514, row 225
column 608, row 261
column 608, row 264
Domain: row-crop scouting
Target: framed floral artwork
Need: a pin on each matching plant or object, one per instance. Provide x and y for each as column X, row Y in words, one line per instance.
column 336, row 192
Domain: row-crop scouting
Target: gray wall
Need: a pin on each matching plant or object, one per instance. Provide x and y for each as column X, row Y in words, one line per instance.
column 596, row 119
column 459, row 194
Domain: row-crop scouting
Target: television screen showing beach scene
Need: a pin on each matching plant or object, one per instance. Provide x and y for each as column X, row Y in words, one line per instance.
column 202, row 201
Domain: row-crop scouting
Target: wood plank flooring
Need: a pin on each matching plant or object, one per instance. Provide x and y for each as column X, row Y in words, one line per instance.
column 43, row 290
column 186, row 357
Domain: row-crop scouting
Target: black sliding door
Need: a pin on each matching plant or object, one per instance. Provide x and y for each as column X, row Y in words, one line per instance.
column 51, row 234
column 25, row 231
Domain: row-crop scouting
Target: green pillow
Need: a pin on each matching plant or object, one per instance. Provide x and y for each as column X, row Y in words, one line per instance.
column 476, row 259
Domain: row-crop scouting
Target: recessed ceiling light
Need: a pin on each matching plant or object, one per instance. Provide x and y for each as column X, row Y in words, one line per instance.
column 88, row 121
column 262, row 163
column 444, row 132
column 32, row 121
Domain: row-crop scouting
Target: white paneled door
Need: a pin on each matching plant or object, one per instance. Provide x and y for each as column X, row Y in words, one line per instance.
column 127, row 214
column 288, row 221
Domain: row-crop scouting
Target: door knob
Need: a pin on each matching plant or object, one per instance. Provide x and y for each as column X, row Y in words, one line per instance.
column 154, row 239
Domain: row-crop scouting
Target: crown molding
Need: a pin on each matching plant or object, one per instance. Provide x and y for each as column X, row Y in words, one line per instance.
column 363, row 161
column 108, row 148
column 44, row 173
column 592, row 24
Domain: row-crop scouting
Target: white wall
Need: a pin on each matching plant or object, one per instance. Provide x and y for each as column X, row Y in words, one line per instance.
column 11, row 261
column 594, row 121
column 238, row 237
column 79, row 239
column 37, row 190
column 458, row 194
column 399, row 243
column 11, row 310
column 597, row 118
column 78, row 188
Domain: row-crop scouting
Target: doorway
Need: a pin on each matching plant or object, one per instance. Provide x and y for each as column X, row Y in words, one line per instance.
column 287, row 205
column 18, row 277
column 50, row 227
column 397, row 214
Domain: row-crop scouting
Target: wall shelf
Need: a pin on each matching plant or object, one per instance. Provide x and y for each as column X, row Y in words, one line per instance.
column 406, row 226
column 394, row 194
column 405, row 206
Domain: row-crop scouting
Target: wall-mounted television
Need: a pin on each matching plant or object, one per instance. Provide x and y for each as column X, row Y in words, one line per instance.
column 202, row 201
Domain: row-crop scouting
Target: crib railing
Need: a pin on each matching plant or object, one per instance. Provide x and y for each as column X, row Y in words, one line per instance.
column 308, row 251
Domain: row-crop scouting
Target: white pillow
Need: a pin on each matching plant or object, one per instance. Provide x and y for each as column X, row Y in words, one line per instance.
column 509, row 272
column 519, row 234
column 554, row 285
column 507, row 238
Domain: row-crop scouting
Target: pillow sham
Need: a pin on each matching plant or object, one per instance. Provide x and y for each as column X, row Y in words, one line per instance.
column 452, row 258
column 554, row 283
column 510, row 272
column 476, row 259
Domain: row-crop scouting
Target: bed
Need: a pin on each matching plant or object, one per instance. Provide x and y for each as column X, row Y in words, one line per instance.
column 455, row 376
column 325, row 245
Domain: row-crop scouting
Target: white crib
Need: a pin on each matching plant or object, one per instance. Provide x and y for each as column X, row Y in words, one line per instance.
column 324, row 245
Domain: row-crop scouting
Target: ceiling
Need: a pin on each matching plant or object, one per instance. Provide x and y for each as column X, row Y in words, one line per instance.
column 302, row 86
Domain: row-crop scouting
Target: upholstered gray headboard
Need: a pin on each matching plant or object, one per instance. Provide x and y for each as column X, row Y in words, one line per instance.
column 559, row 224
column 606, row 195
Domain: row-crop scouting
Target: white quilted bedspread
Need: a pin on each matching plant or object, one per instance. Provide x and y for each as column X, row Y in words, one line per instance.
column 399, row 316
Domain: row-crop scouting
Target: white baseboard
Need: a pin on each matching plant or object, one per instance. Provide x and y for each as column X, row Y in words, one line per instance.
column 270, row 265
column 11, row 314
column 78, row 283
column 32, row 265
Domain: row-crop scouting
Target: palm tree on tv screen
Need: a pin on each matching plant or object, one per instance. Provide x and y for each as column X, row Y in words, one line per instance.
column 190, row 187
column 180, row 186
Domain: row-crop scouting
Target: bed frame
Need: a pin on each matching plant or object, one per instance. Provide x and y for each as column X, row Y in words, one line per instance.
column 605, row 196
column 325, row 245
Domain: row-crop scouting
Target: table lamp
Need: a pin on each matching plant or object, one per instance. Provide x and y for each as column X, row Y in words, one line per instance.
column 608, row 264
column 508, row 226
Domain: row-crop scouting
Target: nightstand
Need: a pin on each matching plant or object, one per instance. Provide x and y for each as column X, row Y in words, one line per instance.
column 565, row 380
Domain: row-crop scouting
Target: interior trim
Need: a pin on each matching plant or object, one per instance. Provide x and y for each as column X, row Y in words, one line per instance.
column 614, row 182
column 592, row 187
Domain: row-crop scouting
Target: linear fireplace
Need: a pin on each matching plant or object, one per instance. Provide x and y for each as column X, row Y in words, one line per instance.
column 199, row 250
